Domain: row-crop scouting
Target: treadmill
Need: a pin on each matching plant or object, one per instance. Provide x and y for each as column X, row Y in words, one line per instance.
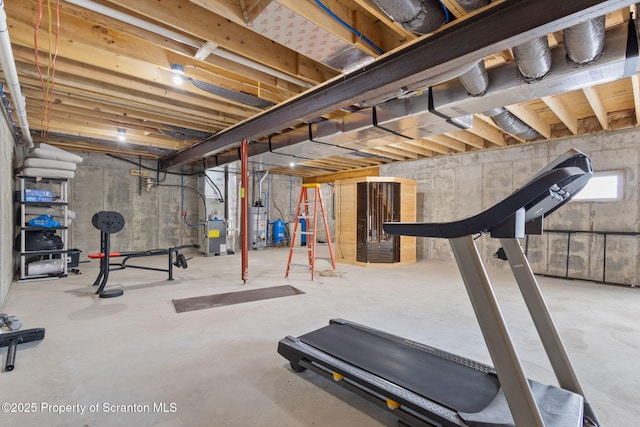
column 425, row 386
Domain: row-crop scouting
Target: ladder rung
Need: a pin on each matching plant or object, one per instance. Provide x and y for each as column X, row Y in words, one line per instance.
column 308, row 210
column 299, row 265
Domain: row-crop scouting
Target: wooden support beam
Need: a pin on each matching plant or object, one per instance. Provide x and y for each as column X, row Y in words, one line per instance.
column 531, row 118
column 635, row 82
column 396, row 27
column 453, row 6
column 198, row 22
column 563, row 112
column 354, row 173
column 415, row 148
column 448, row 142
column 468, row 138
column 392, row 149
column 388, row 153
column 597, row 106
column 429, row 145
column 420, row 61
column 487, row 131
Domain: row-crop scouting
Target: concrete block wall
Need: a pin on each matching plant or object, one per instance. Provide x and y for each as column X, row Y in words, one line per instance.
column 460, row 185
column 152, row 218
column 7, row 208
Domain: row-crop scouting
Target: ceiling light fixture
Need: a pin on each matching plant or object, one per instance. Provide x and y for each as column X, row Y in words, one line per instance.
column 122, row 135
column 292, row 164
column 178, row 74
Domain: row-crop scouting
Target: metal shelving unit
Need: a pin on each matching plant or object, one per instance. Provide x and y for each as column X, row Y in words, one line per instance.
column 59, row 186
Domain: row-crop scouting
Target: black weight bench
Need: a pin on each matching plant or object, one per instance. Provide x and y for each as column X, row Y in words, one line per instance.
column 109, row 222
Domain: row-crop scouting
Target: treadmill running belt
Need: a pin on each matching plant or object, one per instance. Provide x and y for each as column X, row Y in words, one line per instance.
column 448, row 383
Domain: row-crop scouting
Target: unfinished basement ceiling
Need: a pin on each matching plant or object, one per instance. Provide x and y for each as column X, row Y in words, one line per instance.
column 106, row 68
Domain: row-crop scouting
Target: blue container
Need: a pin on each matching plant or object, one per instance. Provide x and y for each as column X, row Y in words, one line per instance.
column 278, row 231
column 303, row 228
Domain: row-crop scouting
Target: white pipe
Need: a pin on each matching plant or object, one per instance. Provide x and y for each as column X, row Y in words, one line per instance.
column 8, row 64
column 165, row 32
column 260, row 184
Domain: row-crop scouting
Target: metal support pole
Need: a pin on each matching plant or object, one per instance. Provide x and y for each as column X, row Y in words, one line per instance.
column 511, row 375
column 543, row 321
column 244, row 214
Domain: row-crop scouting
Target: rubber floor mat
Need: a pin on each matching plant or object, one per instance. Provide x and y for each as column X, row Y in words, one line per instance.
column 219, row 300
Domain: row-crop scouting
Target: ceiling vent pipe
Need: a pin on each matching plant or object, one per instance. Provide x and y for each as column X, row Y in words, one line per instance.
column 425, row 16
column 476, row 80
column 533, row 59
column 585, row 42
column 511, row 124
column 420, row 16
column 233, row 95
column 470, row 5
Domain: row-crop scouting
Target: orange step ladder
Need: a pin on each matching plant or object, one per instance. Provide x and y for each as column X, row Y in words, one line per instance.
column 308, row 210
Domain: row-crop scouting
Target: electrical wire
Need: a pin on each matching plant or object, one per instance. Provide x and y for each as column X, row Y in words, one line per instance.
column 447, row 17
column 191, row 189
column 47, row 80
column 202, row 173
column 184, row 213
column 53, row 57
column 36, row 28
column 213, row 184
column 353, row 30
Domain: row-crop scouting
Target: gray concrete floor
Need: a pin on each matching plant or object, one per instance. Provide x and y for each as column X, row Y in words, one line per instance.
column 219, row 367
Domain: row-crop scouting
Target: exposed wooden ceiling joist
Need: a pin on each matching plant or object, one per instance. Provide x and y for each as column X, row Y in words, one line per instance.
column 511, row 23
column 114, row 60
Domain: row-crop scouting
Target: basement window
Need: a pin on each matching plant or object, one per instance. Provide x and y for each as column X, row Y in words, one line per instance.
column 602, row 187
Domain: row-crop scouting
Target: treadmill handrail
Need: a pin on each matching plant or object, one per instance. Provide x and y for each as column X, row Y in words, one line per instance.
column 546, row 186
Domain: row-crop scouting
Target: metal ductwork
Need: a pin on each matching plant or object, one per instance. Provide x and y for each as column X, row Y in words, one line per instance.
column 476, row 80
column 420, row 16
column 233, row 95
column 585, row 42
column 511, row 124
column 442, row 108
column 445, row 108
column 181, row 133
column 425, row 16
column 533, row 59
column 450, row 99
column 470, row 5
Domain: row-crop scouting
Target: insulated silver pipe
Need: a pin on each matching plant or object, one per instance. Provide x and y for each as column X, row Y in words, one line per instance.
column 8, row 64
column 476, row 80
column 584, row 42
column 533, row 59
column 508, row 122
column 470, row 5
column 420, row 16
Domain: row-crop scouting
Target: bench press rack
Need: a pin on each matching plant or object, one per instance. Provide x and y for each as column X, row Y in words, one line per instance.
column 110, row 222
